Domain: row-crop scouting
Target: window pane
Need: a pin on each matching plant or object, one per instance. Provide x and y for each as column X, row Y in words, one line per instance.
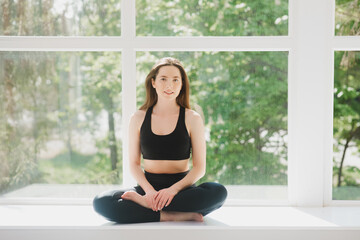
column 60, row 18
column 211, row 18
column 346, row 170
column 242, row 97
column 59, row 122
column 347, row 18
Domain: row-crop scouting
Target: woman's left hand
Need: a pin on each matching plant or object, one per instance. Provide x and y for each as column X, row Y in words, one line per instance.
column 164, row 197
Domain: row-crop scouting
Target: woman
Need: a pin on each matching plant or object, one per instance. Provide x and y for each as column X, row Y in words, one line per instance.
column 164, row 130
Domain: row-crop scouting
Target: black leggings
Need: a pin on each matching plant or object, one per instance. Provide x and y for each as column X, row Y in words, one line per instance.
column 203, row 199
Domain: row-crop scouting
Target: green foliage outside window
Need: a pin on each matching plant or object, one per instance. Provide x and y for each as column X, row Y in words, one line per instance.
column 347, row 126
column 211, row 18
column 54, row 103
column 347, row 18
column 346, row 170
column 60, row 17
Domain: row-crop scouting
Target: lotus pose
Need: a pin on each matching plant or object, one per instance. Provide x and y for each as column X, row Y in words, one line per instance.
column 165, row 131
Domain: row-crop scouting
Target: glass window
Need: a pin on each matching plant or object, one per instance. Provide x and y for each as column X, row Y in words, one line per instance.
column 60, row 120
column 347, row 15
column 242, row 97
column 60, row 18
column 211, row 18
column 346, row 170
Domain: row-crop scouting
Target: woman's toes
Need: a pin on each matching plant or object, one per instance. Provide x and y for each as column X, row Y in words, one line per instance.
column 135, row 197
column 198, row 218
column 128, row 195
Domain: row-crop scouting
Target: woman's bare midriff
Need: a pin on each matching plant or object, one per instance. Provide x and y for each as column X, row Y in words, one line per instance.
column 166, row 166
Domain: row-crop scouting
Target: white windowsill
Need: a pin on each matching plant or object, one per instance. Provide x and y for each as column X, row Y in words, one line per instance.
column 47, row 216
column 51, row 221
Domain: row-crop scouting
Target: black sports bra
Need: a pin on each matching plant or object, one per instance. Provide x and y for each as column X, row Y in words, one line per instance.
column 173, row 146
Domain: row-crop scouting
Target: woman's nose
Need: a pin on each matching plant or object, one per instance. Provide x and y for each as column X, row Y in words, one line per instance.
column 169, row 84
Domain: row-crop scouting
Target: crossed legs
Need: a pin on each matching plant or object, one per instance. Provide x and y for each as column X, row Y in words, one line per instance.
column 189, row 204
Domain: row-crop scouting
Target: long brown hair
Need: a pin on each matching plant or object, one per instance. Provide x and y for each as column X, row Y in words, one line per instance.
column 151, row 95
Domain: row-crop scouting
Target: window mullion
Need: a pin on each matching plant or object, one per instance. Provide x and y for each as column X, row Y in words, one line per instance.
column 128, row 81
column 347, row 43
column 310, row 93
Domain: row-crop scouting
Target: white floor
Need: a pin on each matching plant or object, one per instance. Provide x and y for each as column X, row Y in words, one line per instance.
column 51, row 222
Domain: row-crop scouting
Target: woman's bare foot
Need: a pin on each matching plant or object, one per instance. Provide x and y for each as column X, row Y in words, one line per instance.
column 180, row 216
column 135, row 197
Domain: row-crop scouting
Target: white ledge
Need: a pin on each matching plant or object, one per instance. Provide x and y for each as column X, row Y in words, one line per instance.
column 45, row 216
column 61, row 222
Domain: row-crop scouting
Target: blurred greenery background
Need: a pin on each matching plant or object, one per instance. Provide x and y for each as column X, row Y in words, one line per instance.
column 60, row 112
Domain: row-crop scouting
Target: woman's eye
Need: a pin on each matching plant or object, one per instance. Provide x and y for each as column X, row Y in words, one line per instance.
column 163, row 79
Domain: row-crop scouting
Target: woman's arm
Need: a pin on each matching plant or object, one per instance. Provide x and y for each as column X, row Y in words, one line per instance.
column 135, row 159
column 197, row 135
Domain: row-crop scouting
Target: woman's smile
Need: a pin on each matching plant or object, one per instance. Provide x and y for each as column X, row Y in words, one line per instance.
column 168, row 93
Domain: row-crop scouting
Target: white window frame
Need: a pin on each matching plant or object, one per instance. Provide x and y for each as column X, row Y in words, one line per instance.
column 311, row 44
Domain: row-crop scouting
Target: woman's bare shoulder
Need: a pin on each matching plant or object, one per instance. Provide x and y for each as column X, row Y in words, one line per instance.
column 137, row 118
column 192, row 117
column 192, row 114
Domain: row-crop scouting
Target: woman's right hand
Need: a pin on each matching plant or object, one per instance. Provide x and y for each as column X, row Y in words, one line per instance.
column 150, row 199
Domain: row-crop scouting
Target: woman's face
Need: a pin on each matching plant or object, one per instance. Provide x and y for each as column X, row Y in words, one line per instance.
column 168, row 82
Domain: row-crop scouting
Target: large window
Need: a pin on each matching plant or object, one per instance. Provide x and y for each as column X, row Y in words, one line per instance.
column 275, row 82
